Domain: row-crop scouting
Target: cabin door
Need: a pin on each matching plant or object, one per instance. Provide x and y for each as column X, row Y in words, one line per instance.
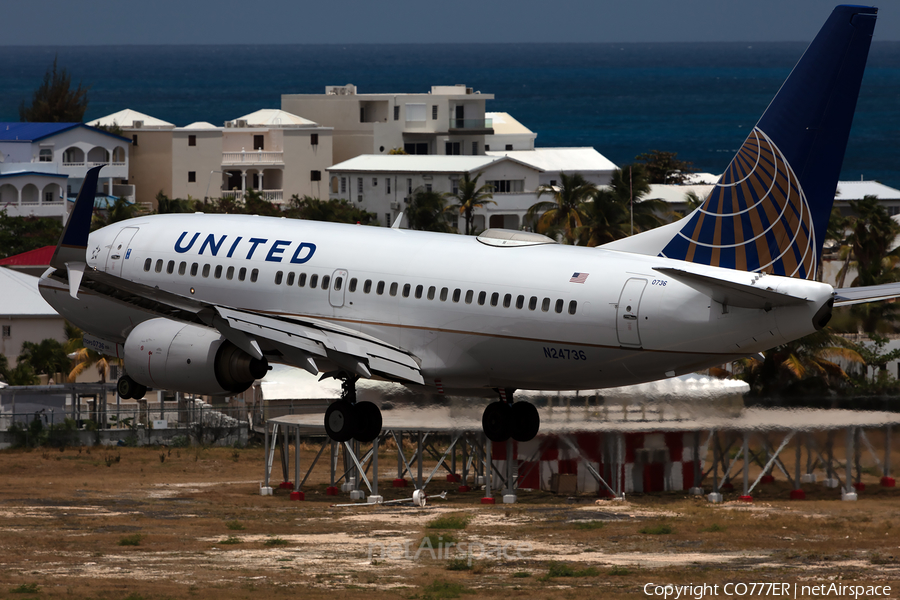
column 628, row 313
column 119, row 252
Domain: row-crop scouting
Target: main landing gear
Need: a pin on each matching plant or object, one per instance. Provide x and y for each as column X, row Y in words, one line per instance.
column 504, row 419
column 128, row 388
column 347, row 418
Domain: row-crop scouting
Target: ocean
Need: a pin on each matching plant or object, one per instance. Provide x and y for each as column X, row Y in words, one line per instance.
column 699, row 100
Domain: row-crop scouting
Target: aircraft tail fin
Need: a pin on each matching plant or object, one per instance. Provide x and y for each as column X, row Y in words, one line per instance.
column 770, row 209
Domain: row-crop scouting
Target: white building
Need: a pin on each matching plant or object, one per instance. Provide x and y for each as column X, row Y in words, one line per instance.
column 448, row 120
column 274, row 152
column 24, row 315
column 383, row 184
column 508, row 134
column 587, row 162
column 42, row 164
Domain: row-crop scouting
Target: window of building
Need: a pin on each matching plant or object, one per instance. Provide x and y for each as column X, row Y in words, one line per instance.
column 218, row 272
column 387, row 219
column 394, row 287
column 159, row 264
column 380, row 288
column 359, row 185
column 444, row 292
column 367, row 286
column 7, row 331
column 45, row 155
column 192, row 176
column 326, row 279
column 559, row 305
column 474, row 148
column 520, row 301
column 552, row 183
column 396, row 113
column 509, row 146
column 573, row 306
column 507, row 186
column 434, row 112
column 48, row 197
column 415, row 112
column 387, row 185
column 495, row 298
column 469, row 295
column 254, row 275
column 147, row 264
column 431, row 291
column 314, row 139
column 278, row 277
column 406, row 288
column 532, row 303
column 259, row 142
column 451, row 148
column 487, row 147
column 229, row 274
column 343, row 185
column 454, row 185
column 409, row 186
column 507, row 300
column 134, row 140
column 242, row 274
column 194, row 268
column 182, row 266
column 313, row 281
column 290, row 279
column 416, row 147
column 352, row 286
column 545, row 305
column 315, row 175
column 170, row 267
column 374, row 182
column 192, row 140
column 301, row 280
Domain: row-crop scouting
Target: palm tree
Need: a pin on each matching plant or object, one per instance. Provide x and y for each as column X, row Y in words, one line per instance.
column 47, row 356
column 566, row 210
column 471, row 197
column 119, row 210
column 84, row 358
column 428, row 211
column 614, row 208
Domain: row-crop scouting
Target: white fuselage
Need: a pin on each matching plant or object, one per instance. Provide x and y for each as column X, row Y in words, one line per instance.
column 475, row 315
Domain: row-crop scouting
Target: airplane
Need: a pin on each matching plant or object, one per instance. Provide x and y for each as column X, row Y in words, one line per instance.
column 202, row 303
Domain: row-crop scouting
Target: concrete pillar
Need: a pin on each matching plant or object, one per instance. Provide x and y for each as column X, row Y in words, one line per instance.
column 374, row 498
column 715, row 497
column 849, row 493
column 509, row 494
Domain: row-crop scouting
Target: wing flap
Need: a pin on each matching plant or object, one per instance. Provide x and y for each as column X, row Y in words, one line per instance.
column 732, row 293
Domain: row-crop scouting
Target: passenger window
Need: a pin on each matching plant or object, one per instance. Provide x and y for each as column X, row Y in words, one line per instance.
column 469, row 295
column 206, row 270
column 352, row 287
column 218, row 272
column 431, row 291
column 532, row 303
column 406, row 287
column 325, row 281
column 559, row 305
column 520, row 301
column 147, row 264
column 229, row 274
column 194, row 268
column 507, row 299
column 290, row 279
column 481, row 298
column 380, row 288
column 181, row 267
column 338, row 282
column 444, row 292
column 242, row 274
column 394, row 289
column 301, row 280
column 573, row 306
column 254, row 275
column 278, row 277
column 495, row 297
column 545, row 305
column 419, row 290
column 170, row 267
column 313, row 281
column 159, row 264
column 367, row 286
column 456, row 294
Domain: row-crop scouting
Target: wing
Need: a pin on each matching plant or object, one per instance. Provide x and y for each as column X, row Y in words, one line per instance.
column 869, row 293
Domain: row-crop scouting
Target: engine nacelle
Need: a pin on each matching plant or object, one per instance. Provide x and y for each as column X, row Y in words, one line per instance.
column 167, row 354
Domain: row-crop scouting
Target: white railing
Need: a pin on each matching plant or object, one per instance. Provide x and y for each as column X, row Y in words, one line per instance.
column 267, row 195
column 257, row 157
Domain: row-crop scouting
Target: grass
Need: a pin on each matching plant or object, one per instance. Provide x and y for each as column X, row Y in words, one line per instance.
column 439, row 589
column 521, row 574
column 458, row 564
column 131, row 540
column 619, row 571
column 276, row 541
column 714, row 528
column 234, row 525
column 661, row 529
column 26, row 588
column 558, row 569
column 230, row 540
column 589, row 525
column 459, row 521
column 436, row 539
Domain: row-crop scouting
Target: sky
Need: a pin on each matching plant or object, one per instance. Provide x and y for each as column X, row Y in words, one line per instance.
column 115, row 22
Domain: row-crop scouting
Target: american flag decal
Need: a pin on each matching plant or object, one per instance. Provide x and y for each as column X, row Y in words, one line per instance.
column 579, row 277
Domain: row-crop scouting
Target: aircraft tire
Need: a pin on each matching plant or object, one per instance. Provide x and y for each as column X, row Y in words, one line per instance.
column 368, row 422
column 139, row 391
column 526, row 422
column 340, row 421
column 126, row 387
column 497, row 421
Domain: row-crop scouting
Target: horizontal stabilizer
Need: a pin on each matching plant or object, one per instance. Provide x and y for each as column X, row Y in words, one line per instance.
column 732, row 293
column 870, row 293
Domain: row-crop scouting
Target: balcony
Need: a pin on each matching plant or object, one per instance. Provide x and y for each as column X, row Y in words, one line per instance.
column 255, row 157
column 274, row 196
column 485, row 126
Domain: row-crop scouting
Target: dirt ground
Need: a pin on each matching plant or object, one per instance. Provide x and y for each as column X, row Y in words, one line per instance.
column 148, row 523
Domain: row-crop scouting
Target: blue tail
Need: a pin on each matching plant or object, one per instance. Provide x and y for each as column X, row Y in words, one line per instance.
column 770, row 209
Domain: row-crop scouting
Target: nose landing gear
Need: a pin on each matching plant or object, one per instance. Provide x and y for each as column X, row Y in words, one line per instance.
column 504, row 419
column 347, row 418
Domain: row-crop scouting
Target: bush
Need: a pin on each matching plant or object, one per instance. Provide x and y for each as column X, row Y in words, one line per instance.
column 131, row 540
column 589, row 525
column 26, row 588
column 558, row 569
column 661, row 529
column 449, row 522
column 276, row 541
column 180, row 441
column 234, row 525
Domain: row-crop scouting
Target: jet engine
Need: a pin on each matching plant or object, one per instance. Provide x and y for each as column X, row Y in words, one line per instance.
column 161, row 353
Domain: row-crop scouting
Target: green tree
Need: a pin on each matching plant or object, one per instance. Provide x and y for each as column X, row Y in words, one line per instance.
column 665, row 167
column 166, row 205
column 333, row 210
column 21, row 234
column 566, row 211
column 47, row 356
column 428, row 211
column 613, row 209
column 119, row 210
column 470, row 196
column 55, row 101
